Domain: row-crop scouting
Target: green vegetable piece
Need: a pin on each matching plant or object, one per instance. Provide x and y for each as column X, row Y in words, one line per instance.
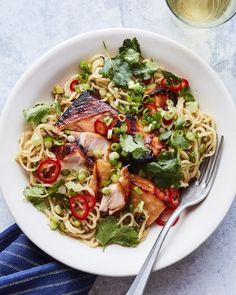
column 48, row 142
column 138, row 190
column 145, row 70
column 130, row 44
column 58, row 90
column 36, row 195
column 110, row 233
column 65, row 172
column 52, row 224
column 36, row 114
column 133, row 145
column 166, row 171
column 106, row 190
column 178, row 141
column 186, row 94
column 179, row 123
column 54, row 188
column 166, row 135
column 57, row 108
column 115, row 147
column 171, row 78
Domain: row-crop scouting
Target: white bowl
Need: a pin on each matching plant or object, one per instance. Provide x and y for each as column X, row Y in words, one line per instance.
column 193, row 228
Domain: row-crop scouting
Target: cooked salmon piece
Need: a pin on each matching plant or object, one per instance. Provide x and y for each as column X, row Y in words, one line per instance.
column 83, row 113
column 114, row 201
column 152, row 204
column 153, row 143
column 72, row 156
column 94, row 180
column 124, row 180
column 104, row 169
column 143, row 183
column 92, row 142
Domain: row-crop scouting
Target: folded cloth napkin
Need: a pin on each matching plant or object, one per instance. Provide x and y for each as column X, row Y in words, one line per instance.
column 25, row 269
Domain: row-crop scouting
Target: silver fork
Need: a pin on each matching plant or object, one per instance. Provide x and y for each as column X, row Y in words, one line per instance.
column 191, row 196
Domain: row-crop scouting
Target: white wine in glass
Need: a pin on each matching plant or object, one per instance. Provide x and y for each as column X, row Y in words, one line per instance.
column 203, row 13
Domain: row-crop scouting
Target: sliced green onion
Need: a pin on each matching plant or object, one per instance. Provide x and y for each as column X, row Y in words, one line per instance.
column 97, row 153
column 121, row 117
column 76, row 223
column 48, row 142
column 106, row 190
column 169, row 102
column 124, row 153
column 109, row 95
column 109, row 134
column 65, row 172
column 58, row 90
column 67, row 132
column 102, row 92
column 115, row 147
column 116, row 130
column 106, row 182
column 123, row 128
column 115, row 178
column 57, row 209
column 113, row 156
column 137, row 190
column 36, row 139
column 140, row 205
column 53, row 223
column 190, row 135
column 62, row 189
column 108, row 120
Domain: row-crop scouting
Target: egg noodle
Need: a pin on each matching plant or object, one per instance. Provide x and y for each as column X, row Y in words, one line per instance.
column 30, row 154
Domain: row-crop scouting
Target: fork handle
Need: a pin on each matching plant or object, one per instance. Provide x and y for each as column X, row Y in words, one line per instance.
column 140, row 282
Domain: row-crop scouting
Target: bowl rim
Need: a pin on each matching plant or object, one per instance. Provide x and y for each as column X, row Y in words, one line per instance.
column 79, row 38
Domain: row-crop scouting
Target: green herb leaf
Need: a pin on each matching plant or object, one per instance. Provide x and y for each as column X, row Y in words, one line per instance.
column 178, row 141
column 166, row 135
column 130, row 55
column 36, row 195
column 36, row 114
column 110, row 233
column 53, row 189
column 179, row 123
column 57, row 108
column 166, row 171
column 145, row 70
column 186, row 94
column 118, row 71
column 134, row 145
column 171, row 79
column 130, row 44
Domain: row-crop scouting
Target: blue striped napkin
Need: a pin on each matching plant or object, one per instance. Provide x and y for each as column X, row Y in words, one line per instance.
column 25, row 269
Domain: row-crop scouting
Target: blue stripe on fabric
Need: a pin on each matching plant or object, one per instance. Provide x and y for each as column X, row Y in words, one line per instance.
column 18, row 257
column 50, row 277
column 8, row 236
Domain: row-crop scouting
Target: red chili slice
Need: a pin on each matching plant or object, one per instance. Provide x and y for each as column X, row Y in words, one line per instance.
column 172, row 87
column 174, row 198
column 184, row 83
column 79, row 206
column 128, row 126
column 73, row 84
column 147, row 81
column 162, row 194
column 167, row 121
column 49, row 170
column 163, row 218
column 151, row 106
column 100, row 127
column 90, row 200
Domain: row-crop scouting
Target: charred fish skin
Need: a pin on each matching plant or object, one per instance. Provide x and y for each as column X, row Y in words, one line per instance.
column 87, row 105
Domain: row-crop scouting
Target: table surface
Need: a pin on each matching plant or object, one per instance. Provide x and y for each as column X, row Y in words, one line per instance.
column 30, row 28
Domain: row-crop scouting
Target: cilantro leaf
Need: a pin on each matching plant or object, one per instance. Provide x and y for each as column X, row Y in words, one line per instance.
column 36, row 114
column 130, row 55
column 186, row 94
column 134, row 145
column 54, row 188
column 130, row 44
column 165, row 171
column 171, row 78
column 166, row 135
column 117, row 70
column 110, row 233
column 36, row 195
column 178, row 141
column 145, row 70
